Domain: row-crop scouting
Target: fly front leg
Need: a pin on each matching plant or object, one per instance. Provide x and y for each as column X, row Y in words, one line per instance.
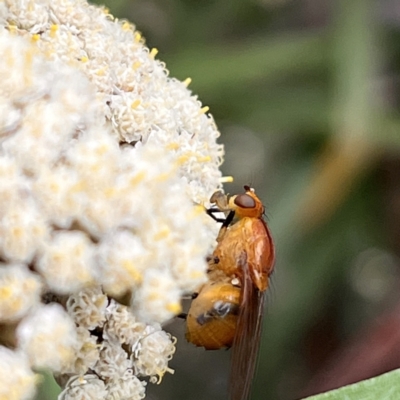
column 211, row 211
column 228, row 220
column 212, row 260
column 183, row 315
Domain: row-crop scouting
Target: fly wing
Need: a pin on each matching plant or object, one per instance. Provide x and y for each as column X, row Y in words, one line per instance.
column 260, row 252
column 247, row 338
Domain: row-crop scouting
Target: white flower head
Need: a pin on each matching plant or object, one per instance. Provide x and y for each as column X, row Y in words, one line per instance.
column 67, row 262
column 87, row 353
column 152, row 353
column 20, row 291
column 121, row 325
column 17, row 380
column 22, row 230
column 158, row 299
column 122, row 261
column 105, row 168
column 128, row 386
column 88, row 307
column 113, row 361
column 86, row 387
column 48, row 337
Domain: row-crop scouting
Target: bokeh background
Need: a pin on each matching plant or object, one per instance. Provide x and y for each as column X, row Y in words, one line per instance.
column 306, row 94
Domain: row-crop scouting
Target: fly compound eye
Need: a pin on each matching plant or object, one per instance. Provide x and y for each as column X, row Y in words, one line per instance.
column 245, row 201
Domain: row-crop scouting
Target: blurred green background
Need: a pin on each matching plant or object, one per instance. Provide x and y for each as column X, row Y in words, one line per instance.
column 306, row 95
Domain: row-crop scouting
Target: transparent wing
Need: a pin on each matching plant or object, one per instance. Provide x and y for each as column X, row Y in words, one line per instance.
column 247, row 338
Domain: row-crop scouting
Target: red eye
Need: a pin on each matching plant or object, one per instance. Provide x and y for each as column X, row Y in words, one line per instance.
column 244, row 201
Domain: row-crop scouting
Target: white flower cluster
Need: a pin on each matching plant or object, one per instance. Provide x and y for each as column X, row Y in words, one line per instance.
column 117, row 348
column 17, row 381
column 105, row 162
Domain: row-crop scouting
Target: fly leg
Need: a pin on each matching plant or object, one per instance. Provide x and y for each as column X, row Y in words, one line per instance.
column 228, row 220
column 184, row 315
column 225, row 221
column 212, row 260
column 212, row 211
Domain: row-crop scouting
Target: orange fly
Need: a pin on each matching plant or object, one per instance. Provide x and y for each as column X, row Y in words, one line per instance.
column 228, row 309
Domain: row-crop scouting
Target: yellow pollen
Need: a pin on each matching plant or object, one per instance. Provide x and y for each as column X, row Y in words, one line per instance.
column 5, row 293
column 174, row 308
column 182, row 159
column 53, row 30
column 78, row 187
column 162, row 234
column 163, row 177
column 35, row 37
column 138, row 178
column 54, row 186
column 12, row 28
column 135, row 104
column 109, row 192
column 138, row 37
column 126, row 26
column 129, row 267
column 153, row 296
column 198, row 209
column 89, row 346
column 187, row 81
column 17, row 232
column 100, row 72
column 226, row 179
column 161, row 374
column 204, row 110
column 204, row 159
column 136, row 65
column 84, row 59
column 173, row 146
column 153, row 53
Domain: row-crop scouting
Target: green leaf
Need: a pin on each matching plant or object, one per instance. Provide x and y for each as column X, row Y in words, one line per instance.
column 383, row 387
column 48, row 388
